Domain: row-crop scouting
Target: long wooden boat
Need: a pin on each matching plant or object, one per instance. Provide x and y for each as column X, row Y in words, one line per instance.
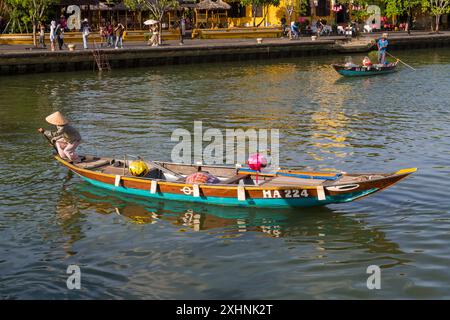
column 237, row 186
column 358, row 71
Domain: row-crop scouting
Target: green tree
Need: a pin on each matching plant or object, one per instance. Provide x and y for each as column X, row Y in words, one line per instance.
column 436, row 8
column 291, row 6
column 266, row 4
column 23, row 13
column 16, row 14
column 36, row 11
column 260, row 3
column 394, row 8
column 4, row 10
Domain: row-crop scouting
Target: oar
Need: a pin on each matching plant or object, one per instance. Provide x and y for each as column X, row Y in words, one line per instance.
column 163, row 169
column 373, row 55
column 401, row 61
column 49, row 141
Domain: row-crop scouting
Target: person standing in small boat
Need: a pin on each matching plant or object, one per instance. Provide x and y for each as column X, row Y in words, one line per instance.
column 382, row 45
column 66, row 138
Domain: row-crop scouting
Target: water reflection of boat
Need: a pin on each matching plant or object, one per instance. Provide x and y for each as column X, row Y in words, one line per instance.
column 68, row 215
column 322, row 227
column 196, row 217
column 237, row 187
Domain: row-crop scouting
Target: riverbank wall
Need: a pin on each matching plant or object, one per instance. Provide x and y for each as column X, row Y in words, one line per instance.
column 39, row 61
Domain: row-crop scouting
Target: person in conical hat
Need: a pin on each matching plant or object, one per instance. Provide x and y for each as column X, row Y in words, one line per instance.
column 66, row 138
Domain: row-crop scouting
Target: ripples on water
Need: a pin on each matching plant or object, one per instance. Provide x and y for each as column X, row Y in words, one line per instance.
column 131, row 248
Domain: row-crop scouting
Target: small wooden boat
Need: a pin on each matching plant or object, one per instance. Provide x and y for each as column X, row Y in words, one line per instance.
column 357, row 71
column 237, row 186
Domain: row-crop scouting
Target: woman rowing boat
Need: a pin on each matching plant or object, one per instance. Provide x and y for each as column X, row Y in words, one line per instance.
column 66, row 138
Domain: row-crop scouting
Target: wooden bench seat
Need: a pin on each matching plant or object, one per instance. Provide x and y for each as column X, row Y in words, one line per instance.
column 280, row 181
column 93, row 163
column 235, row 179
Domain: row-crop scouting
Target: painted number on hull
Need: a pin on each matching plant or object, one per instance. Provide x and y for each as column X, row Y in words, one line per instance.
column 296, row 193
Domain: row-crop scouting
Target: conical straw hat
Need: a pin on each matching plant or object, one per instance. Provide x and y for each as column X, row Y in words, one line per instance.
column 57, row 119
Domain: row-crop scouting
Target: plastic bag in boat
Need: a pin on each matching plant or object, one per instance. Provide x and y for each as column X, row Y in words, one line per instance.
column 202, row 177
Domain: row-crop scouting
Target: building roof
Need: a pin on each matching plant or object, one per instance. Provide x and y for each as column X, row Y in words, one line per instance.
column 213, row 5
column 78, row 2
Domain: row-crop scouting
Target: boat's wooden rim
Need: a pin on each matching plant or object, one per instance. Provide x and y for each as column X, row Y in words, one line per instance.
column 402, row 172
column 391, row 65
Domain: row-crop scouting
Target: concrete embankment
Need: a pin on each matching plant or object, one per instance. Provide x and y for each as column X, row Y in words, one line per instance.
column 35, row 61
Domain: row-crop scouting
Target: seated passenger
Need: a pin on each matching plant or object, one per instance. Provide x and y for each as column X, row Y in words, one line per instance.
column 366, row 62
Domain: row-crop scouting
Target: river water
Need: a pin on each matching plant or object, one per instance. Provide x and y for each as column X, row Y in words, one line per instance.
column 131, row 248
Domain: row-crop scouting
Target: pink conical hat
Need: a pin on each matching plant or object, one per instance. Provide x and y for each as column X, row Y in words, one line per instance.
column 57, row 119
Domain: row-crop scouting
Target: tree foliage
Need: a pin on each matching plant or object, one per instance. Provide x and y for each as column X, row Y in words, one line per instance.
column 23, row 14
column 297, row 6
column 157, row 7
column 392, row 8
column 395, row 8
column 436, row 8
column 37, row 8
column 260, row 3
column 15, row 12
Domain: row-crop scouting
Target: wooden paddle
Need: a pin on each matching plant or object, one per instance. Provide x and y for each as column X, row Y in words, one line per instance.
column 48, row 140
column 163, row 169
column 400, row 61
column 373, row 55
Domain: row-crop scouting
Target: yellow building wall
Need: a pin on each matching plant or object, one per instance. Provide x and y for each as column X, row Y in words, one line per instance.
column 273, row 17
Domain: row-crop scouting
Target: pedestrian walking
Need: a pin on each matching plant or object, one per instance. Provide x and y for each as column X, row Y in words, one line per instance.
column 181, row 29
column 118, row 30
column 41, row 27
column 102, row 34
column 154, row 41
column 283, row 26
column 110, row 35
column 63, row 22
column 52, row 35
column 60, row 36
column 86, row 30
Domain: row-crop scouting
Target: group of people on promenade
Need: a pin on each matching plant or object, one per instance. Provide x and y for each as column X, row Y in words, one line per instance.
column 56, row 33
column 111, row 34
column 319, row 28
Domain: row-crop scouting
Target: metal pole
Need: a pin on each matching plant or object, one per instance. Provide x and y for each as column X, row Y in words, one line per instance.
column 409, row 17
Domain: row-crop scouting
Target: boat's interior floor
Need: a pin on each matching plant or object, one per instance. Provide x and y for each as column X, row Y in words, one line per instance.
column 227, row 175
